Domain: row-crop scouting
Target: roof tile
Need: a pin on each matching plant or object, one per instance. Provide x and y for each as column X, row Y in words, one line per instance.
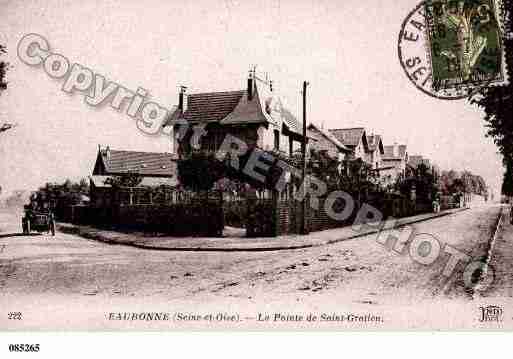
column 144, row 163
column 348, row 136
column 212, row 106
column 330, row 137
column 233, row 107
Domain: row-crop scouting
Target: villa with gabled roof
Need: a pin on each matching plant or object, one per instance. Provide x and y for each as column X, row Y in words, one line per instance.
column 395, row 160
column 155, row 169
column 255, row 115
column 324, row 140
column 110, row 162
column 353, row 138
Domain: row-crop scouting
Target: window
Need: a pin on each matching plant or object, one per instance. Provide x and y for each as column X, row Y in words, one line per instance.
column 212, row 141
column 276, row 139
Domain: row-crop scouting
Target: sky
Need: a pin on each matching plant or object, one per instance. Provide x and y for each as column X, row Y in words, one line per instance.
column 346, row 50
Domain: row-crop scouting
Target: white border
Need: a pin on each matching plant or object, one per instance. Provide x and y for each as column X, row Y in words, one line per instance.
column 263, row 345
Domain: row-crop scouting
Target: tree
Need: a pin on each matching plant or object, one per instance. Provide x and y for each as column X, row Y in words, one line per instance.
column 422, row 179
column 4, row 66
column 59, row 196
column 325, row 168
column 200, row 171
column 448, row 181
column 453, row 182
column 497, row 103
column 358, row 178
column 3, row 85
column 129, row 179
column 507, row 183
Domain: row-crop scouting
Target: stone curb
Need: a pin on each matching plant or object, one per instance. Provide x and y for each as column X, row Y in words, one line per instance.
column 95, row 234
column 477, row 288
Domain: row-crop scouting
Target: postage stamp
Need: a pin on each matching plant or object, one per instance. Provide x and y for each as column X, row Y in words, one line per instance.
column 465, row 42
column 452, row 48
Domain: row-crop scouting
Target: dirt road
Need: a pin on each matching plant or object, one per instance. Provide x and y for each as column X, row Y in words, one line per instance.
column 67, row 272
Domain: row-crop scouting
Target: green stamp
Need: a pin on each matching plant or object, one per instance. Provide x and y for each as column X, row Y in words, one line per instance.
column 465, row 43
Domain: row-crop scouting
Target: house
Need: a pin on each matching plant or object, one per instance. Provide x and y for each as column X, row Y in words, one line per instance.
column 375, row 151
column 415, row 160
column 353, row 138
column 435, row 170
column 255, row 115
column 394, row 162
column 325, row 141
column 432, row 167
column 155, row 169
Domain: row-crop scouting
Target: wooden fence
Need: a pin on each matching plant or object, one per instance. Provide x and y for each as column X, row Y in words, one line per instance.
column 172, row 212
column 205, row 214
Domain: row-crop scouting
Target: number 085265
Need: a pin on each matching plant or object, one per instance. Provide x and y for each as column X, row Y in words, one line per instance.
column 24, row 348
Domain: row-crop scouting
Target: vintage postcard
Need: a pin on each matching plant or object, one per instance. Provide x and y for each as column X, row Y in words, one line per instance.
column 255, row 165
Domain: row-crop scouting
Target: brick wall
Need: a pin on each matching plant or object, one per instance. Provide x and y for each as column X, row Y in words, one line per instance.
column 319, row 220
column 288, row 214
column 288, row 217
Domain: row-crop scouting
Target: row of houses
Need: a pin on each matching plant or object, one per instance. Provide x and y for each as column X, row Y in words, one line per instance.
column 390, row 161
column 256, row 115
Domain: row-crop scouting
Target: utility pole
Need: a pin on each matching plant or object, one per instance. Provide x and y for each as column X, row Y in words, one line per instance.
column 303, row 164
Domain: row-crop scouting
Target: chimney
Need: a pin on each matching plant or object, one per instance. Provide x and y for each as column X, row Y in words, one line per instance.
column 107, row 152
column 251, row 85
column 395, row 150
column 181, row 99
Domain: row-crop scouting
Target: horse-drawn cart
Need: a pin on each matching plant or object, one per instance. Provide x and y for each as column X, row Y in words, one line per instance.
column 38, row 221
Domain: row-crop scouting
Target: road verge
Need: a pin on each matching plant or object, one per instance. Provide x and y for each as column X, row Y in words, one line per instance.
column 232, row 244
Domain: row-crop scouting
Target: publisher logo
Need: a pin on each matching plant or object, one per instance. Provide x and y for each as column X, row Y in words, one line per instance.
column 490, row 313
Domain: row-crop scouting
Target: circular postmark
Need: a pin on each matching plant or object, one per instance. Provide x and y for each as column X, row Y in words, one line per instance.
column 451, row 49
